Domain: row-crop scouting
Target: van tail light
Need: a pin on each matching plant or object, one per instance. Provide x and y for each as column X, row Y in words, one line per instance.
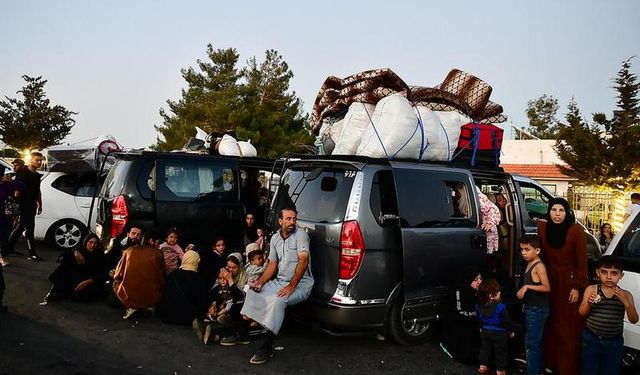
column 119, row 215
column 351, row 249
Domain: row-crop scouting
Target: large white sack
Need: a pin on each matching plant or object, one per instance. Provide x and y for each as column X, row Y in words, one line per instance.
column 396, row 127
column 442, row 131
column 354, row 124
column 228, row 146
column 247, row 150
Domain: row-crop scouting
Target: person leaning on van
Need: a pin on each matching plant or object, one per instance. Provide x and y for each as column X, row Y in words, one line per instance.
column 565, row 248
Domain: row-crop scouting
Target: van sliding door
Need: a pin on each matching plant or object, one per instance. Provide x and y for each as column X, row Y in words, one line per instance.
column 440, row 226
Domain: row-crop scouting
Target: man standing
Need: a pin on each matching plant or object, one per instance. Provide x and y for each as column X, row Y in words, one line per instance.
column 30, row 204
column 266, row 301
column 633, row 206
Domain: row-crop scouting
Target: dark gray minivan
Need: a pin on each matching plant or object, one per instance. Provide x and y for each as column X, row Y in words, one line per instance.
column 390, row 239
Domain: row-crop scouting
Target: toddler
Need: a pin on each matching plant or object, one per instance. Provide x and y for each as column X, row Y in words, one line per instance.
column 255, row 267
column 495, row 324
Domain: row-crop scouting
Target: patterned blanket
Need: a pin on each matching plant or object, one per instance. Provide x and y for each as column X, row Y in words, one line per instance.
column 459, row 91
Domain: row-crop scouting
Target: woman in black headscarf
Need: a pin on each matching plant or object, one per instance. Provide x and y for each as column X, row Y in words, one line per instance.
column 565, row 255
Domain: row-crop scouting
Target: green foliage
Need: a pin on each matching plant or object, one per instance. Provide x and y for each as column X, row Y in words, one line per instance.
column 607, row 152
column 542, row 117
column 580, row 146
column 10, row 153
column 33, row 122
column 255, row 101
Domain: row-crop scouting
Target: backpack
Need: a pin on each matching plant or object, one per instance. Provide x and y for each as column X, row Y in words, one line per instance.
column 479, row 144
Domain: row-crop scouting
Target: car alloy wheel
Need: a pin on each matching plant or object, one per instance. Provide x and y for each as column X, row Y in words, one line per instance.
column 67, row 235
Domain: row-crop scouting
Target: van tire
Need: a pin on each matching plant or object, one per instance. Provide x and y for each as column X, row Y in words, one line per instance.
column 406, row 332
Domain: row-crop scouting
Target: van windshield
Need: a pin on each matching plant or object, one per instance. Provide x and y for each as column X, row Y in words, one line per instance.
column 319, row 194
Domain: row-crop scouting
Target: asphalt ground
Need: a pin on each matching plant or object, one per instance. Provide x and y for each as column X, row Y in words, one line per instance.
column 73, row 338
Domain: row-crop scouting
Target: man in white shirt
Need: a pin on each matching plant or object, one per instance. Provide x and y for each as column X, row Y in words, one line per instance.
column 633, row 206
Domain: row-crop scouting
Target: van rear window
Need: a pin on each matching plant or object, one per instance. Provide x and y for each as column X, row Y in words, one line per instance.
column 114, row 183
column 319, row 194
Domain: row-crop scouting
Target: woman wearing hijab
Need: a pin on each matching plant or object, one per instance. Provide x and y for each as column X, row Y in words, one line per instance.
column 565, row 254
column 185, row 296
column 80, row 276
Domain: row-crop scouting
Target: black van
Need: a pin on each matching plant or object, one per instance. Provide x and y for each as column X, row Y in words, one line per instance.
column 202, row 195
column 389, row 239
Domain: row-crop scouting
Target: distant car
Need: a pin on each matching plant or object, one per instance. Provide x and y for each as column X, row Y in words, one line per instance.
column 66, row 204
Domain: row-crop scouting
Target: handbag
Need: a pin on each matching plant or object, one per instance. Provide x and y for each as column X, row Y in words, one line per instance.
column 11, row 206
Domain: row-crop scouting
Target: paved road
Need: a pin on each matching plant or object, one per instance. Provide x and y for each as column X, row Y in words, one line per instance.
column 72, row 338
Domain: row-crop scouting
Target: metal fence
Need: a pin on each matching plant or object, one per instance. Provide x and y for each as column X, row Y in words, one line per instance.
column 596, row 207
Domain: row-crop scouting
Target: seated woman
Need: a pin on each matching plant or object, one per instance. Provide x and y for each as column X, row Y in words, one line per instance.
column 185, row 297
column 81, row 273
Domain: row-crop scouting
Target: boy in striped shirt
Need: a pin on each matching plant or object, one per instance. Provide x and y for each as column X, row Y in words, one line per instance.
column 604, row 306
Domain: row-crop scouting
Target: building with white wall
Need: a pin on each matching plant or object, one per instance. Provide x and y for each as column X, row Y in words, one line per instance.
column 537, row 159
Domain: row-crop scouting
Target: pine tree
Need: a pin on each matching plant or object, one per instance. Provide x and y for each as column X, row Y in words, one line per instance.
column 542, row 117
column 608, row 152
column 580, row 146
column 33, row 123
column 255, row 101
column 211, row 96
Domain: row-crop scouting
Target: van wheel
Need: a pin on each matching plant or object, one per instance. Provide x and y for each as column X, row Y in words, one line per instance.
column 406, row 331
column 66, row 234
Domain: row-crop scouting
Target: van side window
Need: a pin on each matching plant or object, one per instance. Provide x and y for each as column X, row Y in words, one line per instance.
column 182, row 181
column 383, row 196
column 535, row 201
column 429, row 199
column 146, row 179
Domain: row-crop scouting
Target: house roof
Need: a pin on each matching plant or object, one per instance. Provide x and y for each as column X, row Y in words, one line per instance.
column 543, row 171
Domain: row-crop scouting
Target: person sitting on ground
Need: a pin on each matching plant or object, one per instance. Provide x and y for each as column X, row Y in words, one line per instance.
column 171, row 251
column 80, row 280
column 262, row 240
column 212, row 260
column 185, row 297
column 235, row 266
column 139, row 278
column 132, row 238
column 223, row 315
column 249, row 231
column 256, row 265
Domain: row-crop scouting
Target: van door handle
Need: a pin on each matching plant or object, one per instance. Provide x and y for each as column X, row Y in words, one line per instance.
column 478, row 242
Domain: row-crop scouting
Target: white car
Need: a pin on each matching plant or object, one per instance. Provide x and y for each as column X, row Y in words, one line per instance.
column 66, row 201
column 626, row 246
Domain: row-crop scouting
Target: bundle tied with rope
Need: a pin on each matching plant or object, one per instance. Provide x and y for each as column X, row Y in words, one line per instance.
column 376, row 114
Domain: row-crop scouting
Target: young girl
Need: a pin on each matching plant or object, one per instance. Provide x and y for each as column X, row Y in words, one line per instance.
column 171, row 250
column 495, row 323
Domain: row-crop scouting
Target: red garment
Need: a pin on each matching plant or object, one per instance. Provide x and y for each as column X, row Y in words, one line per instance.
column 567, row 269
column 139, row 277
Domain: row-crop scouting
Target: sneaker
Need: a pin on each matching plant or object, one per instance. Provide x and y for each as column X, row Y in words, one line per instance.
column 3, row 262
column 235, row 340
column 129, row 313
column 261, row 357
column 34, row 258
column 199, row 329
